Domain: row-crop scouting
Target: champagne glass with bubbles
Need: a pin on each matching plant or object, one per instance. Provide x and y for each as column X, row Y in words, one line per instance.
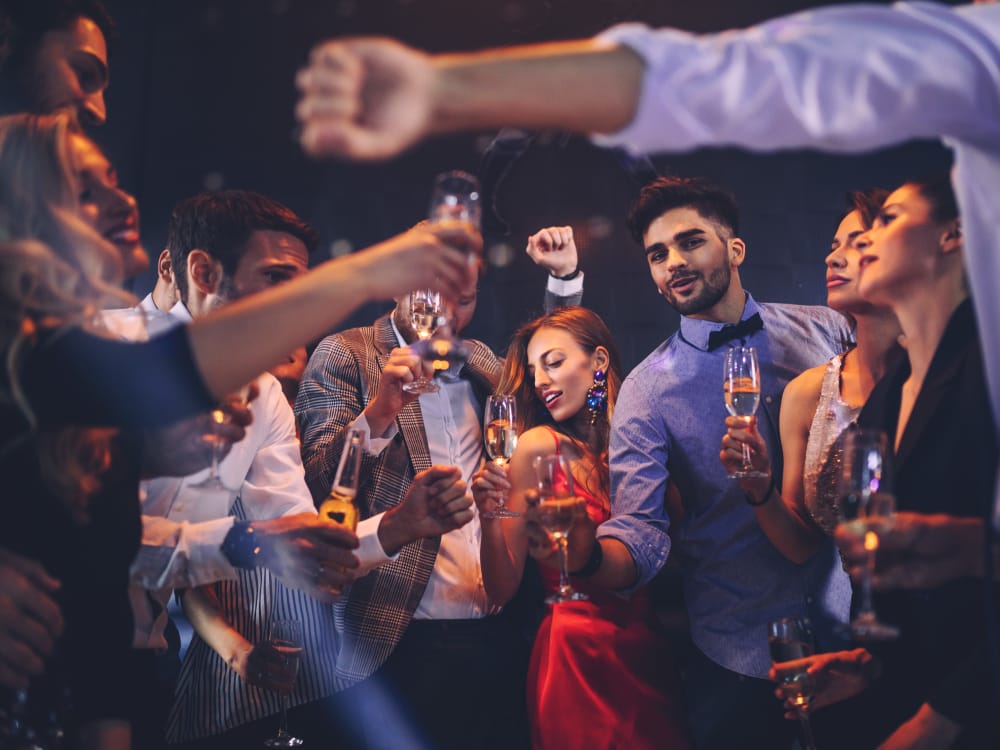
column 866, row 507
column 426, row 311
column 286, row 639
column 741, row 387
column 500, row 431
column 557, row 507
column 789, row 639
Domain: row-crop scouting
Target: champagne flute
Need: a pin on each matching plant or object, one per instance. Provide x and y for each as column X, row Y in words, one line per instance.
column 286, row 638
column 741, row 385
column 218, row 419
column 791, row 638
column 426, row 312
column 557, row 506
column 500, row 430
column 455, row 200
column 865, row 508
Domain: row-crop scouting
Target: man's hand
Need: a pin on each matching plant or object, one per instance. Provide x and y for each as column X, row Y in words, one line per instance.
column 364, row 99
column 308, row 553
column 836, row 676
column 185, row 448
column 554, row 250
column 435, row 503
column 403, row 366
column 30, row 620
column 919, row 551
column 263, row 666
column 742, row 431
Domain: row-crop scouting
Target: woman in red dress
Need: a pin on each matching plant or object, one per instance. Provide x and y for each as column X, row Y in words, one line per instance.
column 601, row 676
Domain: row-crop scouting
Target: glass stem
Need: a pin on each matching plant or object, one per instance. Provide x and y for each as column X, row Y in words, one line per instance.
column 747, row 466
column 808, row 742
column 283, row 726
column 867, row 610
column 216, row 450
column 563, row 572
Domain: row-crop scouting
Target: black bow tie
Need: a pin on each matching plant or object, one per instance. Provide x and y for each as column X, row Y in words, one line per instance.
column 737, row 331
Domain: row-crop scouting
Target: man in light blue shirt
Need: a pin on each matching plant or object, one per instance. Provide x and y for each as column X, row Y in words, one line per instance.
column 667, row 427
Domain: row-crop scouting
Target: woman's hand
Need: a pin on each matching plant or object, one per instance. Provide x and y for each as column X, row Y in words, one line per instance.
column 743, row 431
column 489, row 485
column 837, row 676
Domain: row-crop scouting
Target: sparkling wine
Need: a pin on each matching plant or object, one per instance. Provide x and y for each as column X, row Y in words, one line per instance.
column 556, row 515
column 339, row 507
column 742, row 397
column 501, row 439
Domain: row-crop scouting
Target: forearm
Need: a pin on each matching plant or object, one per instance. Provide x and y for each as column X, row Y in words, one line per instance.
column 501, row 570
column 228, row 345
column 618, row 569
column 792, row 535
column 543, row 86
column 202, row 608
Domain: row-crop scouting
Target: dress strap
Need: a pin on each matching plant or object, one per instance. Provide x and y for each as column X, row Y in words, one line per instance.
column 555, row 436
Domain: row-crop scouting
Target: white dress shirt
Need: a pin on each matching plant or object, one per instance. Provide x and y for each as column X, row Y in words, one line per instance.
column 452, row 421
column 848, row 79
column 184, row 526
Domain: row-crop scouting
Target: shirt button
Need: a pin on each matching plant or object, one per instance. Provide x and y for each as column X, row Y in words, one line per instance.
column 768, row 399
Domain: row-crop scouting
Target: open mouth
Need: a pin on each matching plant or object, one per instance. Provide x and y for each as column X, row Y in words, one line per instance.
column 551, row 397
column 683, row 284
column 123, row 235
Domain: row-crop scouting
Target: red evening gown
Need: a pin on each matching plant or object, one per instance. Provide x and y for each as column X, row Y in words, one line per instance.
column 600, row 677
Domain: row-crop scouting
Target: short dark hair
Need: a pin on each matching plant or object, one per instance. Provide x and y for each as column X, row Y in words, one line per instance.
column 867, row 203
column 939, row 193
column 667, row 193
column 220, row 223
column 23, row 23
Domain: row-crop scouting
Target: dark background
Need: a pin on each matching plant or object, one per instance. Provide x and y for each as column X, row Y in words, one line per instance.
column 201, row 97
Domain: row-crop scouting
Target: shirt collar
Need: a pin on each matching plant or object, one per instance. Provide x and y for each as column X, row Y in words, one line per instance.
column 181, row 312
column 696, row 332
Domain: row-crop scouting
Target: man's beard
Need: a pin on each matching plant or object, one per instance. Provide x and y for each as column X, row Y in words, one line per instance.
column 713, row 289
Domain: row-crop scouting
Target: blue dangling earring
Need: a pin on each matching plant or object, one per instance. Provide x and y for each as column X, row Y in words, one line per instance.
column 597, row 396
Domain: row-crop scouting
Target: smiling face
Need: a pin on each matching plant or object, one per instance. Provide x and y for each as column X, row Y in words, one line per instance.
column 902, row 248
column 692, row 261
column 70, row 71
column 563, row 371
column 104, row 205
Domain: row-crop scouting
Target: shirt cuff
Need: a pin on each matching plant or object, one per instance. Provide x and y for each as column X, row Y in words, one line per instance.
column 180, row 555
column 561, row 288
column 374, row 445
column 369, row 552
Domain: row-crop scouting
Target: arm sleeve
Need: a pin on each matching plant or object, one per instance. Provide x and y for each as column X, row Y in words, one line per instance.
column 77, row 378
column 916, row 70
column 638, row 456
column 180, row 554
column 559, row 293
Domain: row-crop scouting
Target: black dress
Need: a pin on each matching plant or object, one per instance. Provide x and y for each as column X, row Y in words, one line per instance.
column 73, row 378
column 946, row 463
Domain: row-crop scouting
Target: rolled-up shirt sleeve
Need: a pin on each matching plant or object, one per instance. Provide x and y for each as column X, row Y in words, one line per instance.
column 181, row 554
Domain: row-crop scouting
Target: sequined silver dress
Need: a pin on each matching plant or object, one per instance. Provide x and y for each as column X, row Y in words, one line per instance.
column 830, row 420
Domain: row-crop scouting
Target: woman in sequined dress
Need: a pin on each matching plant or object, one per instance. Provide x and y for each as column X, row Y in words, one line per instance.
column 820, row 403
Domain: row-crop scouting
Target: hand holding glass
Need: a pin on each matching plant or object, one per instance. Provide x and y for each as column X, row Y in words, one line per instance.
column 741, row 387
column 500, row 431
column 866, row 506
column 426, row 314
column 789, row 639
column 557, row 507
column 286, row 639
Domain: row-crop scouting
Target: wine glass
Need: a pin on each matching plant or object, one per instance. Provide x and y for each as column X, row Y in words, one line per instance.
column 286, row 638
column 741, row 384
column 455, row 200
column 218, row 419
column 866, row 505
column 791, row 638
column 557, row 506
column 426, row 312
column 500, row 430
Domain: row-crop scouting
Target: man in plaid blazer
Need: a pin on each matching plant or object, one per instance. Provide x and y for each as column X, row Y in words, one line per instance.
column 417, row 621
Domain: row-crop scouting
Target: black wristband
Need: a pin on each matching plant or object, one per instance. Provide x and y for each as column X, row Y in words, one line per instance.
column 569, row 276
column 767, row 495
column 593, row 563
column 241, row 547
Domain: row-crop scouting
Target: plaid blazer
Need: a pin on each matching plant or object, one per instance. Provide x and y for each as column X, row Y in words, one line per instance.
column 340, row 380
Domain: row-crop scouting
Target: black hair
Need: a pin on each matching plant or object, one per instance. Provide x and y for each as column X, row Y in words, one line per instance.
column 867, row 203
column 667, row 193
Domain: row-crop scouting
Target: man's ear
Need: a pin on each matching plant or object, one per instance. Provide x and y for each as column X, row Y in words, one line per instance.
column 204, row 272
column 951, row 239
column 164, row 268
column 737, row 251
